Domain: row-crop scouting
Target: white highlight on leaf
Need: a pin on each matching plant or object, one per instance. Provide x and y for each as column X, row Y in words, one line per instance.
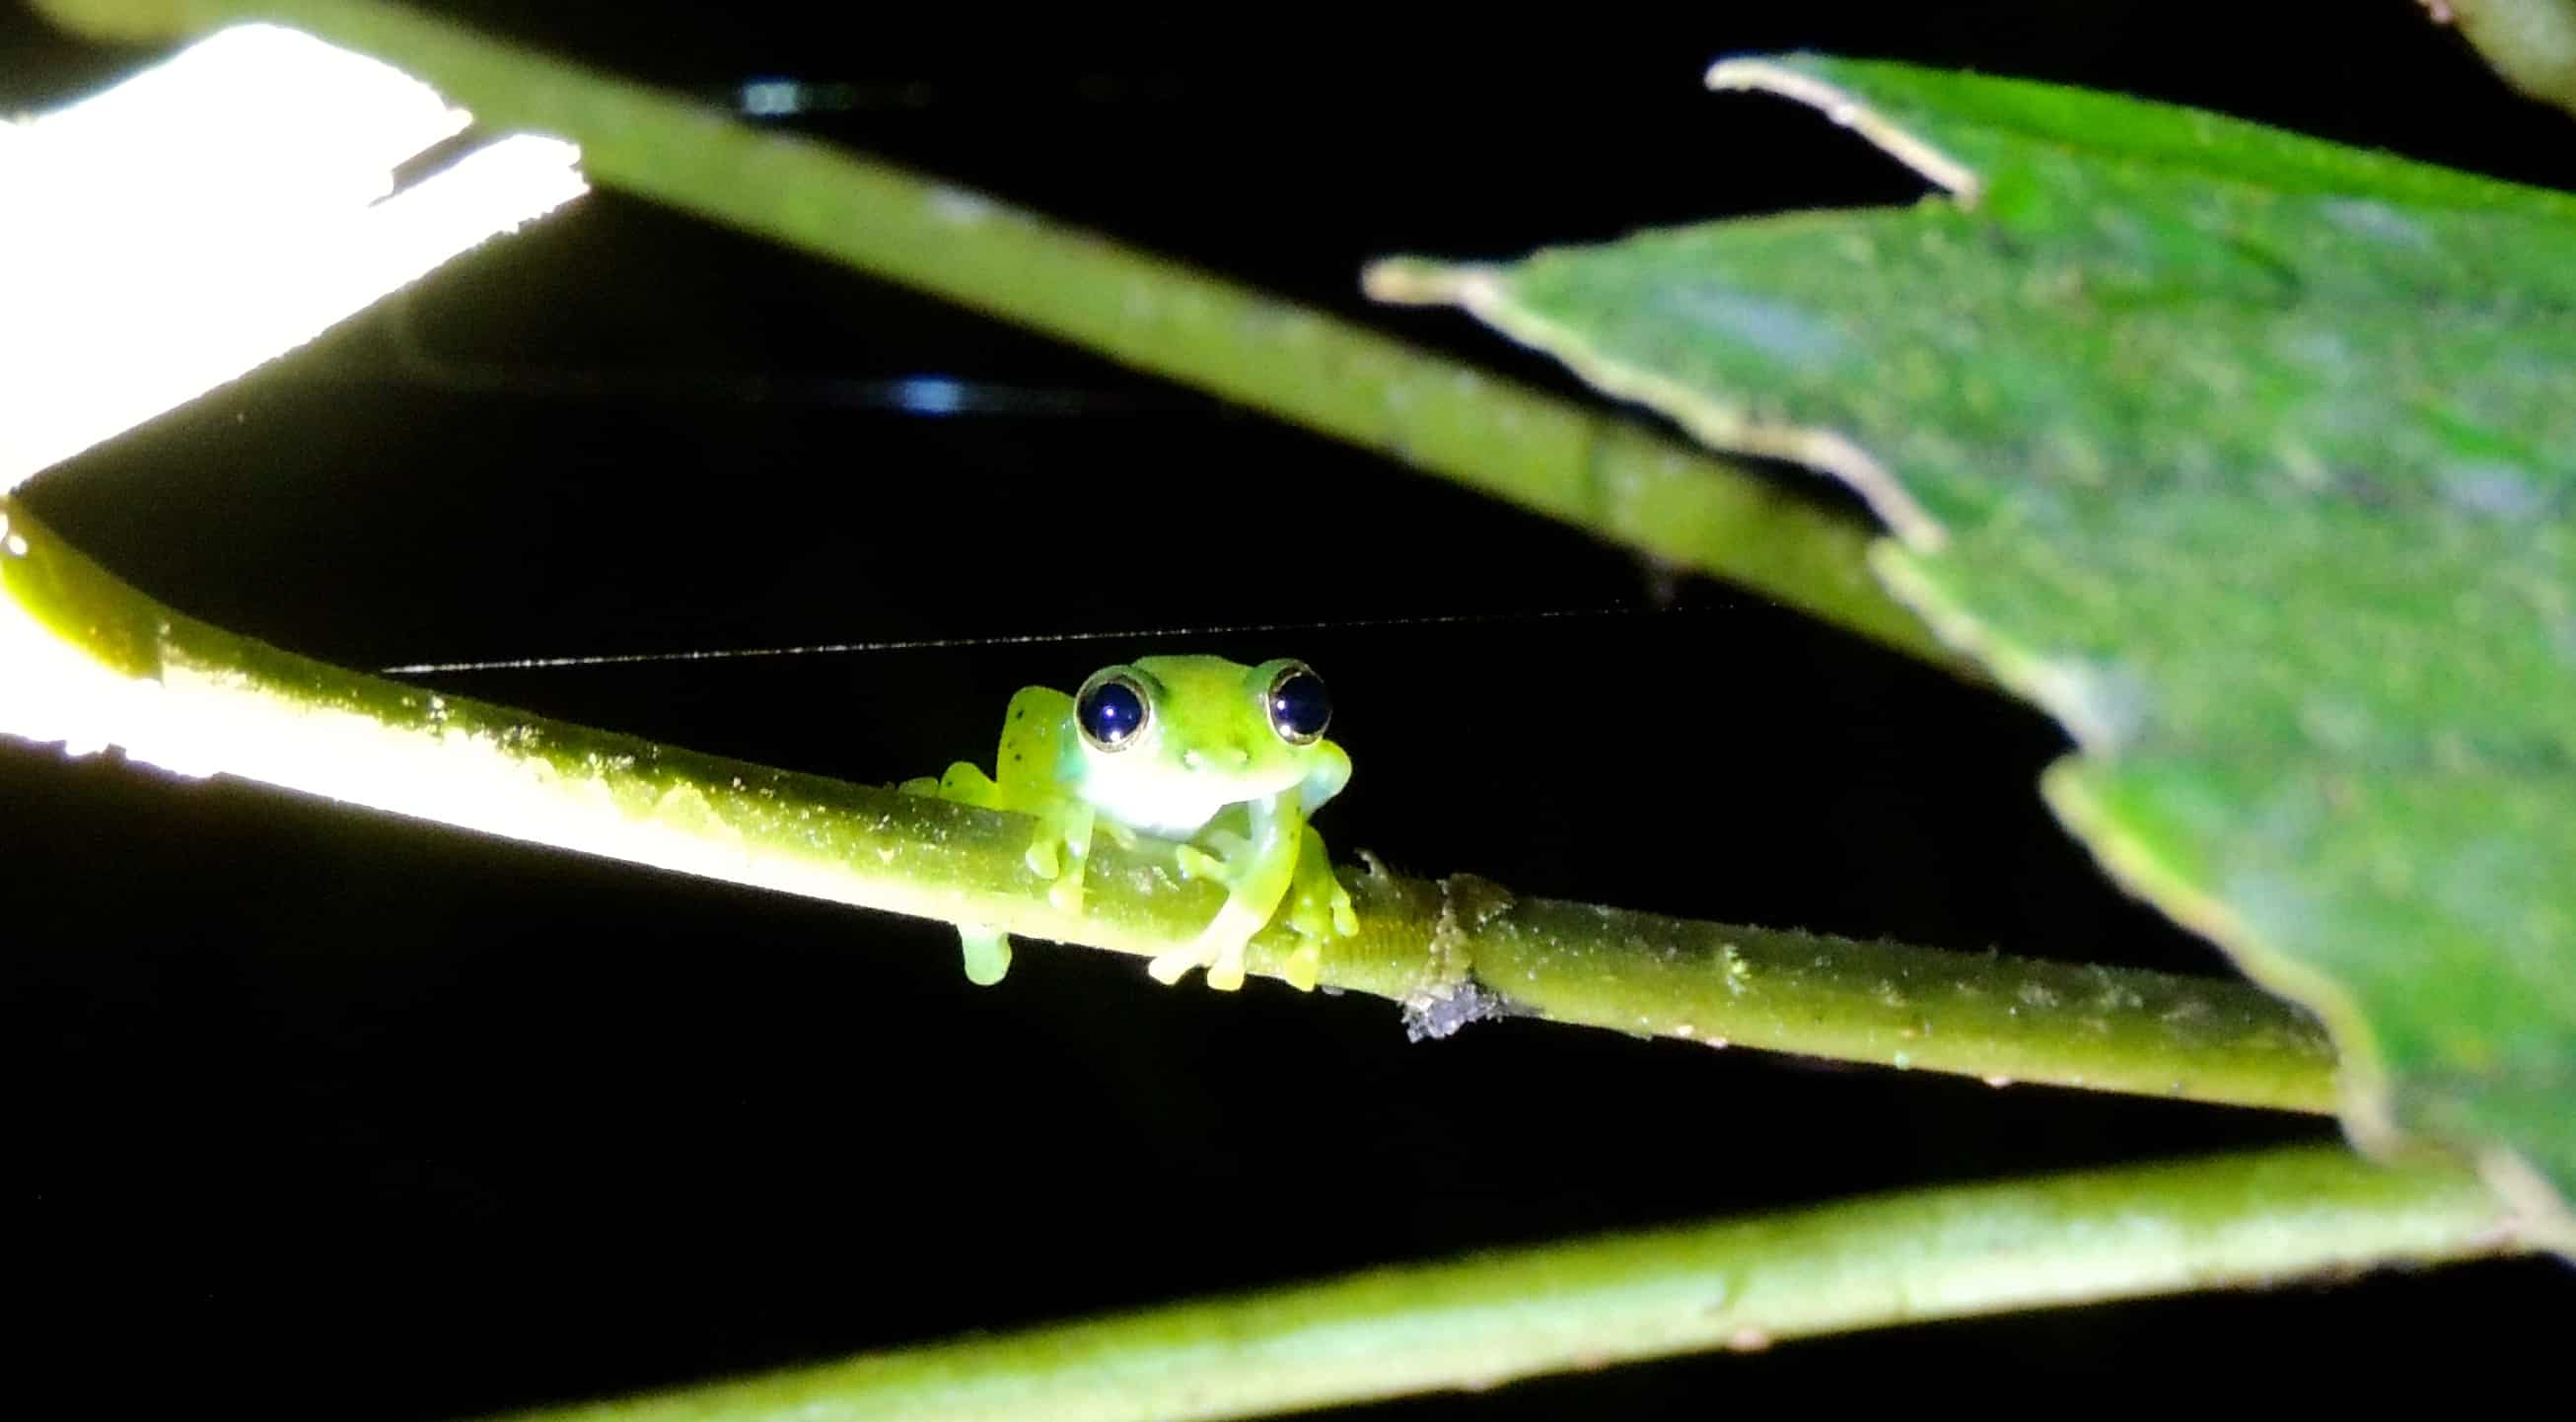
column 213, row 213
column 1840, row 107
column 1716, row 422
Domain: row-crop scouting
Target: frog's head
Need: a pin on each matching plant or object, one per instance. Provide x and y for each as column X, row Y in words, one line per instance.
column 1174, row 739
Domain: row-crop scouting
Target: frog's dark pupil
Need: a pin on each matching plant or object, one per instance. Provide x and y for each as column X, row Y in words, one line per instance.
column 1299, row 706
column 1110, row 713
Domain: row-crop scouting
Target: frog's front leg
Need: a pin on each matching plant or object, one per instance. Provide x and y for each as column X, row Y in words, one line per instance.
column 1256, row 871
column 1319, row 908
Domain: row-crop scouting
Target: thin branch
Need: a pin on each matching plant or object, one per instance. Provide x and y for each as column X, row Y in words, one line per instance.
column 1567, row 461
column 2247, row 1220
column 87, row 660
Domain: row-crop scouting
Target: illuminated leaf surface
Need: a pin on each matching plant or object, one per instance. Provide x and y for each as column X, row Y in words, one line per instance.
column 2247, row 456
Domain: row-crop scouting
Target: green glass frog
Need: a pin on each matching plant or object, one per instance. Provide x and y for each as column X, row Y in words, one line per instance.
column 1229, row 760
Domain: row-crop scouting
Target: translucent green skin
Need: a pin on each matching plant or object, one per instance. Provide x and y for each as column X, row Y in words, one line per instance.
column 1207, row 769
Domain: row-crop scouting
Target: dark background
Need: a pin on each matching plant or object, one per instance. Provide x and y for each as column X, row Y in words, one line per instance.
column 326, row 1114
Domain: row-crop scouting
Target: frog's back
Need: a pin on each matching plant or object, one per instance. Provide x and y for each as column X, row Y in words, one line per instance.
column 1193, row 671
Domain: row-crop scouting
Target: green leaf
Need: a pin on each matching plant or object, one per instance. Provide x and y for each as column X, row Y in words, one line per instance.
column 2249, row 457
column 2531, row 43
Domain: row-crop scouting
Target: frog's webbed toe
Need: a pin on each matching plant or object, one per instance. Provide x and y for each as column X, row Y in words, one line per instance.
column 1226, row 973
column 1170, row 967
column 988, row 953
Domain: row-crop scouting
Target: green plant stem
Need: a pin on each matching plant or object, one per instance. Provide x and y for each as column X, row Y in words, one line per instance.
column 1567, row 461
column 2247, row 1220
column 88, row 660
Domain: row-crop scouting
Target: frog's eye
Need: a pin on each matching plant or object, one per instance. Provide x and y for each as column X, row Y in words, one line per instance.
column 1112, row 710
column 1299, row 706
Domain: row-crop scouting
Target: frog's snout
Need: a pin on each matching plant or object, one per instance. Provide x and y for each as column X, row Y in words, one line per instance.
column 1217, row 758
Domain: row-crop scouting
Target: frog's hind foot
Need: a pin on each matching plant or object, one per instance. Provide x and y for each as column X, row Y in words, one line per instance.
column 1304, row 967
column 988, row 953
